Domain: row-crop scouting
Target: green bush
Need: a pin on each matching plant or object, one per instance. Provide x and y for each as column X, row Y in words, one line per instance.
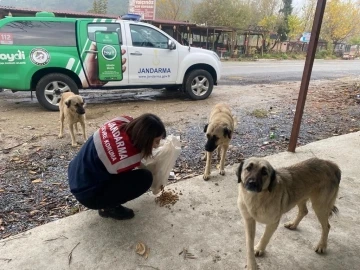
column 325, row 54
column 284, row 56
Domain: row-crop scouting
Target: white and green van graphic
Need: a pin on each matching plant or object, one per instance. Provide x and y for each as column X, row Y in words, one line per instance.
column 58, row 55
column 52, row 55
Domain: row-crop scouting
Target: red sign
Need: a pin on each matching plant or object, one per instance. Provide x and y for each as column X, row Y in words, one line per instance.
column 145, row 8
column 6, row 38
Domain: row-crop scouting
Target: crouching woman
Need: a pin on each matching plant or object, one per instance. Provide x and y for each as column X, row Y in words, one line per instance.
column 105, row 173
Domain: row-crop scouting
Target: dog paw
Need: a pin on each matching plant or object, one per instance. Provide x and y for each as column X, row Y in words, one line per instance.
column 290, row 226
column 206, row 177
column 222, row 172
column 61, row 136
column 320, row 248
column 74, row 145
column 259, row 251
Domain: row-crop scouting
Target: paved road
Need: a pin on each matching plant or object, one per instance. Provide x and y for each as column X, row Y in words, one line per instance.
column 287, row 70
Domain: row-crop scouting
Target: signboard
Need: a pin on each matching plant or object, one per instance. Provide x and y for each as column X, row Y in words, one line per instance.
column 109, row 56
column 145, row 8
column 305, row 37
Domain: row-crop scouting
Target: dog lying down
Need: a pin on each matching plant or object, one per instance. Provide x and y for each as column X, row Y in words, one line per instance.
column 265, row 194
column 72, row 109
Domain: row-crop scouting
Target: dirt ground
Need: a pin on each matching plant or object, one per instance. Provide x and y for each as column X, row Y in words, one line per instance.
column 33, row 160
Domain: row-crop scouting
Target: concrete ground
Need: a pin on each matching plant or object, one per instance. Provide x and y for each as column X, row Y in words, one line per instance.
column 205, row 221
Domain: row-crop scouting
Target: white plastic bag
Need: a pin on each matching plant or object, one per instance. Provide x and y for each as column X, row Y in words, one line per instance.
column 163, row 161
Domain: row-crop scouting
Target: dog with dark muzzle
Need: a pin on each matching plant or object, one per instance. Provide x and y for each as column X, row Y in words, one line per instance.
column 72, row 108
column 265, row 194
column 219, row 132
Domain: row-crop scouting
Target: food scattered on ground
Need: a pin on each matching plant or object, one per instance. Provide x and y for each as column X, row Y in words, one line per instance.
column 167, row 198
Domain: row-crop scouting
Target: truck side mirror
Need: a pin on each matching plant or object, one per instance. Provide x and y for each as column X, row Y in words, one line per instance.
column 171, row 45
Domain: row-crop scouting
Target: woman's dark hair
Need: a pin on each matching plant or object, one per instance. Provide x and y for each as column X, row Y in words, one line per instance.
column 143, row 130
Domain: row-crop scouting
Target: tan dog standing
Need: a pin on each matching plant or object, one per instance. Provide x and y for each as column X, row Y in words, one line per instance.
column 219, row 131
column 266, row 194
column 72, row 109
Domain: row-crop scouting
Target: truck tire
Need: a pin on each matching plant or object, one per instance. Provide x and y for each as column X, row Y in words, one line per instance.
column 199, row 84
column 51, row 86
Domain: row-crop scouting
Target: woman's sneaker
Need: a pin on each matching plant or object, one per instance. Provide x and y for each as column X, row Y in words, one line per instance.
column 119, row 212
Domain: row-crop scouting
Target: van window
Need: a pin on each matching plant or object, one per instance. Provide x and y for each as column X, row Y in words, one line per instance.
column 112, row 27
column 143, row 36
column 41, row 33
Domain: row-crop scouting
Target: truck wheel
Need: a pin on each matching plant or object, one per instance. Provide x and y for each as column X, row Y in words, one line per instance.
column 199, row 84
column 51, row 86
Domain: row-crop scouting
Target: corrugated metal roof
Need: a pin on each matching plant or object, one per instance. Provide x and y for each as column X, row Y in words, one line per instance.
column 170, row 22
column 60, row 12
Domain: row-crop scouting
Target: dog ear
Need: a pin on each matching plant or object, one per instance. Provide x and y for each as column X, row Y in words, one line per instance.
column 68, row 103
column 205, row 128
column 239, row 170
column 227, row 132
column 272, row 180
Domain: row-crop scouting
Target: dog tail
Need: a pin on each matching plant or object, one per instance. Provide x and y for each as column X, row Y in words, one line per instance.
column 234, row 121
column 338, row 175
column 334, row 211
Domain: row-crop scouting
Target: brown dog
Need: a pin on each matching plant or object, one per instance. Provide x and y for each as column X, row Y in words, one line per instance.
column 265, row 194
column 219, row 131
column 72, row 109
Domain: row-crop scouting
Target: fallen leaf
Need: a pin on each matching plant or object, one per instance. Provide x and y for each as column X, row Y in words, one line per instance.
column 2, row 190
column 15, row 159
column 62, row 157
column 32, row 172
column 37, row 181
column 140, row 248
column 1, row 221
column 34, row 212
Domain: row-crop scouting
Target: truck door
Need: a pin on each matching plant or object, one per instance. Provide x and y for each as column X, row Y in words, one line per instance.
column 151, row 60
column 99, row 46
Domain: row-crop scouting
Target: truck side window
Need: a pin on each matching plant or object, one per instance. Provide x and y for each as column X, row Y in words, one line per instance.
column 113, row 27
column 143, row 36
column 41, row 33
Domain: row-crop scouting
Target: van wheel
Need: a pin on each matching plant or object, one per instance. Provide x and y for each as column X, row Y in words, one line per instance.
column 199, row 84
column 51, row 86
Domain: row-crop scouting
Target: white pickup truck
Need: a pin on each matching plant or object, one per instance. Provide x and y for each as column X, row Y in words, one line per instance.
column 67, row 54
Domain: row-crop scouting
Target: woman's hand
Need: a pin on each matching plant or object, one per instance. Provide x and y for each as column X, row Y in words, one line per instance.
column 92, row 67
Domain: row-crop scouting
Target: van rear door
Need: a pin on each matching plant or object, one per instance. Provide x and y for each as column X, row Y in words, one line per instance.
column 99, row 46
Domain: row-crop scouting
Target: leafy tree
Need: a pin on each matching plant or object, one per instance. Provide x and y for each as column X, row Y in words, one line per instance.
column 307, row 15
column 341, row 21
column 355, row 40
column 99, row 6
column 295, row 27
column 283, row 29
column 173, row 9
column 222, row 13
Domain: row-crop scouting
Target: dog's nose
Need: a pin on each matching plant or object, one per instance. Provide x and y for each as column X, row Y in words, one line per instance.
column 209, row 147
column 252, row 185
column 81, row 111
